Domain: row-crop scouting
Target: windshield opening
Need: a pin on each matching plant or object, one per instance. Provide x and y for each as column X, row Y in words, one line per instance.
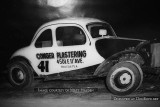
column 100, row 30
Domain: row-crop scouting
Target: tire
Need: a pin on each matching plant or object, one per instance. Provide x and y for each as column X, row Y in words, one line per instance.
column 124, row 78
column 20, row 75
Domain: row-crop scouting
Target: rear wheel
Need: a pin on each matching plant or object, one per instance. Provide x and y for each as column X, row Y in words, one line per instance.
column 20, row 74
column 124, row 78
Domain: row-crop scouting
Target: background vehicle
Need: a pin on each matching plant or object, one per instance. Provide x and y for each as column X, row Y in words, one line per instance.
column 82, row 48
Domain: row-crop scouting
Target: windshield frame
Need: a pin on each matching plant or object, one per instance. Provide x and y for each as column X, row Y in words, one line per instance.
column 96, row 23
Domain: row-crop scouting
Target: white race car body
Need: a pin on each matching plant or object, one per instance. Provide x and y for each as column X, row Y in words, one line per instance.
column 82, row 48
column 56, row 59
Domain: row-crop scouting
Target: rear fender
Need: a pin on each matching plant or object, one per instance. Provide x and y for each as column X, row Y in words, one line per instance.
column 21, row 58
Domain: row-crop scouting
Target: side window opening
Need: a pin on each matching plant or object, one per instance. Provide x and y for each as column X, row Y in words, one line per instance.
column 45, row 39
column 70, row 35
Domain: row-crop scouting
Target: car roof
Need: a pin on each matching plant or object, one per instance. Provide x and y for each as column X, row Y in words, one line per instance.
column 78, row 20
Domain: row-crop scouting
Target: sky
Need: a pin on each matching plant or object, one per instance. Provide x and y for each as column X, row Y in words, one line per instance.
column 129, row 18
column 33, row 13
column 113, row 10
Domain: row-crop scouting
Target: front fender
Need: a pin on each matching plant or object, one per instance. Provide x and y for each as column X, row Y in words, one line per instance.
column 106, row 65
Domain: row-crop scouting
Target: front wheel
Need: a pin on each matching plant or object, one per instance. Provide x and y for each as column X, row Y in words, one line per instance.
column 20, row 74
column 124, row 78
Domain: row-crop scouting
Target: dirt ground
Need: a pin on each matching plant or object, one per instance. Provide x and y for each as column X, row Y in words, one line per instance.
column 84, row 93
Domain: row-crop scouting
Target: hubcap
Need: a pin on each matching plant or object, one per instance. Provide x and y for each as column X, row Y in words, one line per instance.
column 125, row 78
column 20, row 75
column 122, row 79
column 17, row 76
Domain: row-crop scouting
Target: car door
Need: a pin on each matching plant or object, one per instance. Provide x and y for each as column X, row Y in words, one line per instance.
column 74, row 49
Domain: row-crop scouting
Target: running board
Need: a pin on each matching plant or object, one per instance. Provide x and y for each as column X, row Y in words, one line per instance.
column 80, row 77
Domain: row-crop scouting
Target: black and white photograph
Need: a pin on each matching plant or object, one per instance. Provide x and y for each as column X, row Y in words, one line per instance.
column 79, row 53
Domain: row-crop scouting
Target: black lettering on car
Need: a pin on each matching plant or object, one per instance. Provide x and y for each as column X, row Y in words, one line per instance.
column 72, row 54
column 45, row 55
column 43, row 66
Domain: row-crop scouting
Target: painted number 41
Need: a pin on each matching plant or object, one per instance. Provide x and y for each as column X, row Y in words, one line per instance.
column 43, row 66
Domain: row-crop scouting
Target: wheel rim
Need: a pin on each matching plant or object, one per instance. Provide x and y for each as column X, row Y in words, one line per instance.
column 18, row 76
column 122, row 79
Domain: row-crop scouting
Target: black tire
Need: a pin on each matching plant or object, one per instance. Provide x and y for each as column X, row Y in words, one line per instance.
column 20, row 75
column 124, row 78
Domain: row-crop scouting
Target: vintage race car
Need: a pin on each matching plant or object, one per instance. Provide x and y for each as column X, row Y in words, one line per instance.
column 83, row 48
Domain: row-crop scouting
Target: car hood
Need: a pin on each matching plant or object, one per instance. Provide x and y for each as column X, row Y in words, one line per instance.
column 106, row 47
